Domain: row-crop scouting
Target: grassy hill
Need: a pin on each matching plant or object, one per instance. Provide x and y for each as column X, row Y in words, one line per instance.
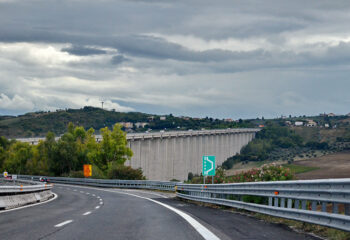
column 39, row 123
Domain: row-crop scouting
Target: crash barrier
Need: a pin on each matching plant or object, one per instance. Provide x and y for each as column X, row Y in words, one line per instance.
column 136, row 184
column 324, row 202
column 22, row 193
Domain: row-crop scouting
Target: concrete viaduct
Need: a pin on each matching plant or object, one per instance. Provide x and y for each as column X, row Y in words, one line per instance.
column 172, row 155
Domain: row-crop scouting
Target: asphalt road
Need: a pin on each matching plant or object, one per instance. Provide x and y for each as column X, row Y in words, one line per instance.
column 90, row 213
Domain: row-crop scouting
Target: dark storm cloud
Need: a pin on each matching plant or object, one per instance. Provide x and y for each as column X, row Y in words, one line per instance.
column 83, row 51
column 118, row 59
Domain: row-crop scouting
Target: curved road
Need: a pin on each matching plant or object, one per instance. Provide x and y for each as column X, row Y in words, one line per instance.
column 93, row 213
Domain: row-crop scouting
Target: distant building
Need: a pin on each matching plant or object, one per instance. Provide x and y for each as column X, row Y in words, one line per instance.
column 298, row 124
column 127, row 124
column 261, row 126
column 331, row 115
column 140, row 124
column 326, row 125
column 185, row 118
column 228, row 120
column 151, row 118
column 162, row 118
column 311, row 123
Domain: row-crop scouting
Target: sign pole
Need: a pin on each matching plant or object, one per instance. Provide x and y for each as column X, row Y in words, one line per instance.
column 212, row 179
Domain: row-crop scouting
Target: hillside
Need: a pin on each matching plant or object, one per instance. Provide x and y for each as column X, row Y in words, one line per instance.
column 39, row 123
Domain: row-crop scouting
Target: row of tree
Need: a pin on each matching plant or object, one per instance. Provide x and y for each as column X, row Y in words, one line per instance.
column 67, row 155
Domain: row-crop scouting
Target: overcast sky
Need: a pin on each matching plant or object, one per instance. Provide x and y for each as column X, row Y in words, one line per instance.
column 223, row 58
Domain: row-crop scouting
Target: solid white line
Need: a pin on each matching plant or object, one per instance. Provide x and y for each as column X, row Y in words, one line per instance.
column 203, row 231
column 63, row 223
column 87, row 213
column 156, row 194
column 97, row 207
column 31, row 205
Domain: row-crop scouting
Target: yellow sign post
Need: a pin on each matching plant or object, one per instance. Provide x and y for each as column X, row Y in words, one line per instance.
column 87, row 170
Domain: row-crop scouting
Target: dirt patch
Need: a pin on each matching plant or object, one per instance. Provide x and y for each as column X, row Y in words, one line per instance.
column 335, row 165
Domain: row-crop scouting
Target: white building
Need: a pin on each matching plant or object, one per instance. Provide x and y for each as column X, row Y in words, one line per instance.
column 298, row 124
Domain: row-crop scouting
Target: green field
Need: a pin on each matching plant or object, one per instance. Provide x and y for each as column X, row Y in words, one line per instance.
column 299, row 169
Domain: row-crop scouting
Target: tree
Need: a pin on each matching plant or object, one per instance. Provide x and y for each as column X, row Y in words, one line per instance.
column 19, row 154
column 112, row 150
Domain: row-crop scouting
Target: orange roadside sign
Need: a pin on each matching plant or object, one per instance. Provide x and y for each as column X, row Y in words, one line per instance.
column 87, row 170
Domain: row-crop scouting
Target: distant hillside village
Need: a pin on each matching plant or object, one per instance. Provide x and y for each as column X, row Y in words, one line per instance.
column 323, row 121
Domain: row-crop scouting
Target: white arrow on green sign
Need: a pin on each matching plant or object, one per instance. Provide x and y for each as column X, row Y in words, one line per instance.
column 208, row 165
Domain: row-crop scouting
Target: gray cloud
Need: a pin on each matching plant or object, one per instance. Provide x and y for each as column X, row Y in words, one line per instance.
column 83, row 51
column 195, row 57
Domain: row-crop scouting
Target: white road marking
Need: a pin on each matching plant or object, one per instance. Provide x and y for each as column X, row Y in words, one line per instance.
column 87, row 193
column 63, row 223
column 101, row 203
column 31, row 205
column 93, row 195
column 156, row 194
column 97, row 207
column 87, row 213
column 81, row 192
column 203, row 231
column 74, row 190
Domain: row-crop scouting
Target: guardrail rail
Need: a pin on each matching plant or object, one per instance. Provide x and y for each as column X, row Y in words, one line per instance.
column 109, row 183
column 312, row 201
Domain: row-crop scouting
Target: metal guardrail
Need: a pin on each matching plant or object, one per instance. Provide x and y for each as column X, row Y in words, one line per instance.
column 322, row 202
column 312, row 201
column 15, row 189
column 137, row 184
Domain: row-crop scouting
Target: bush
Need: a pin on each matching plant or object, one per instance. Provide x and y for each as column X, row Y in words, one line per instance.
column 125, row 173
column 76, row 174
column 266, row 173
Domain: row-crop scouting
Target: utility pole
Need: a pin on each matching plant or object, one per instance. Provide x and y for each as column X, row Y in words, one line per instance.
column 102, row 103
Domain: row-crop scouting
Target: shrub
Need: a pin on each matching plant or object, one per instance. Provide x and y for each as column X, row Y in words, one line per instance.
column 125, row 173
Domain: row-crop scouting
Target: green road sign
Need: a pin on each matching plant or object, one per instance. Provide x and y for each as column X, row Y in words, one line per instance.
column 208, row 165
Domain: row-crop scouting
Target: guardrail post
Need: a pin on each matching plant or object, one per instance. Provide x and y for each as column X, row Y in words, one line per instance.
column 297, row 203
column 324, row 206
column 314, row 206
column 347, row 209
column 283, row 202
column 270, row 201
column 303, row 204
column 335, row 208
column 290, row 203
column 276, row 202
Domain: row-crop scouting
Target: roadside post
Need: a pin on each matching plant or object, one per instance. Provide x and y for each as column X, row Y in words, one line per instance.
column 208, row 167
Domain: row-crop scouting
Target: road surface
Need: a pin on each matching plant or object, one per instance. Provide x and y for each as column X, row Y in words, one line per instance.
column 92, row 213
